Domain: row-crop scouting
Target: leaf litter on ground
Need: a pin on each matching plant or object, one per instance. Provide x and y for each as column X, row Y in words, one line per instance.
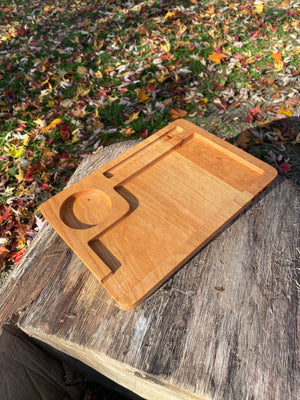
column 76, row 75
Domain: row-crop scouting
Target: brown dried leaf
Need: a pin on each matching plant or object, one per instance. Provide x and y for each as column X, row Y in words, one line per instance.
column 243, row 140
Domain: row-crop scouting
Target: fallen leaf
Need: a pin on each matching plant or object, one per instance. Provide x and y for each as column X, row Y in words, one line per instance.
column 47, row 153
column 255, row 110
column 258, row 7
column 286, row 111
column 143, row 133
column 243, row 140
column 67, row 103
column 211, row 10
column 128, row 132
column 216, row 57
column 15, row 152
column 177, row 113
column 82, row 70
column 143, row 30
column 161, row 76
column 5, row 214
column 174, row 14
column 277, row 56
column 285, row 4
column 98, row 75
column 132, row 117
column 143, row 96
column 17, row 256
column 4, row 252
column 292, row 101
column 297, row 140
column 267, row 82
column 285, row 167
column 39, row 122
column 166, row 46
column 221, row 104
column 278, row 63
column 52, row 125
column 277, row 134
column 20, row 175
column 65, row 132
column 39, row 223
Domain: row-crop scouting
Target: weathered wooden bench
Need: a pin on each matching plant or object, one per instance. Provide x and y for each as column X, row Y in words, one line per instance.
column 223, row 327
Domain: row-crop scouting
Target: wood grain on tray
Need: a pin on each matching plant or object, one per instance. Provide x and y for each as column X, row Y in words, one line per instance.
column 139, row 218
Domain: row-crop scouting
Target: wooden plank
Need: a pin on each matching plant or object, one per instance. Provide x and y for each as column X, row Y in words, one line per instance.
column 175, row 191
column 223, row 327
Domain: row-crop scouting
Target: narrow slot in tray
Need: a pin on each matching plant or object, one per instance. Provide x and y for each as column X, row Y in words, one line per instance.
column 104, row 254
column 145, row 156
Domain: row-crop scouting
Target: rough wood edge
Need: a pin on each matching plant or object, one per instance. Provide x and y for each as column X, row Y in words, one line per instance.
column 148, row 386
column 27, row 371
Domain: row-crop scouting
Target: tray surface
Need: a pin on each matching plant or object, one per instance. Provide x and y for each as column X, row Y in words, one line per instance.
column 139, row 218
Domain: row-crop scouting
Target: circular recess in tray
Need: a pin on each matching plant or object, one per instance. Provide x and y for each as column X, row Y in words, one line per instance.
column 85, row 209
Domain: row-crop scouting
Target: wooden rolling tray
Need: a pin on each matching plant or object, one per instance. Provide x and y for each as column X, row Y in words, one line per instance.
column 139, row 218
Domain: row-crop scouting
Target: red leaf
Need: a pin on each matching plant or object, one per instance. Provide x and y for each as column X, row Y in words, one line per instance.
column 17, row 256
column 30, row 172
column 150, row 88
column 249, row 118
column 5, row 214
column 285, row 167
column 256, row 34
column 21, row 31
column 102, row 93
column 144, row 133
column 65, row 132
column 255, row 110
column 43, row 185
column 238, row 56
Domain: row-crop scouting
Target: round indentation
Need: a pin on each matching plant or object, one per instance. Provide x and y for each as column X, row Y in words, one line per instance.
column 85, row 209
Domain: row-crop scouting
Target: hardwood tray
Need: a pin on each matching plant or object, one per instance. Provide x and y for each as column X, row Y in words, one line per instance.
column 139, row 218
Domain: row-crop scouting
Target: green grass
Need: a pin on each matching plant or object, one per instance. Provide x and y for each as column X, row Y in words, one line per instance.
column 44, row 48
